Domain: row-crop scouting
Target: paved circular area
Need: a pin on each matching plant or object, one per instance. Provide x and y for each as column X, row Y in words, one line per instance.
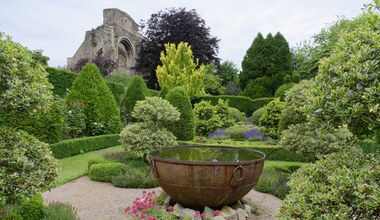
column 102, row 201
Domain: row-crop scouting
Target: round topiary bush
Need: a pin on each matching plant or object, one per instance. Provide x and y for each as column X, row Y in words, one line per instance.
column 280, row 92
column 99, row 106
column 287, row 79
column 184, row 128
column 236, row 114
column 96, row 160
column 343, row 185
column 271, row 117
column 296, row 77
column 27, row 165
column 310, row 139
column 257, row 115
column 206, row 118
column 236, row 132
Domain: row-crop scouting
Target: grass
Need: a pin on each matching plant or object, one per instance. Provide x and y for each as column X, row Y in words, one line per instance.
column 270, row 164
column 76, row 166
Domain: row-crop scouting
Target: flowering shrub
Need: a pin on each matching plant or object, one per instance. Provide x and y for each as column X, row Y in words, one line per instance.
column 74, row 121
column 218, row 135
column 254, row 135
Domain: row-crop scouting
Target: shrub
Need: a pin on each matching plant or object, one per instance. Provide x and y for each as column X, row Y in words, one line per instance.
column 236, row 114
column 27, row 164
column 10, row 212
column 222, row 110
column 184, row 128
column 280, row 92
column 163, row 92
column 150, row 134
column 62, row 80
column 270, row 119
column 74, row 124
column 310, row 139
column 137, row 175
column 341, row 186
column 77, row 146
column 33, row 207
column 244, row 104
column 96, row 160
column 207, row 120
column 257, row 115
column 287, row 79
column 273, row 182
column 99, row 104
column 296, row 77
column 369, row 146
column 60, row 211
column 106, row 171
column 122, row 157
column 236, row 132
column 117, row 90
column 119, row 77
column 219, row 135
column 295, row 101
column 254, row 91
column 136, row 91
column 254, row 135
column 105, row 66
column 153, row 92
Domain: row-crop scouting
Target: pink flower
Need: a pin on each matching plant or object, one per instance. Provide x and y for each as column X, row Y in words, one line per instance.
column 101, row 126
column 197, row 213
column 160, row 207
column 151, row 218
column 217, row 212
column 170, row 208
column 203, row 215
column 228, row 218
column 95, row 123
column 144, row 216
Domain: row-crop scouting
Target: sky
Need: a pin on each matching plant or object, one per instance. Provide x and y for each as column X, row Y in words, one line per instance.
column 58, row 26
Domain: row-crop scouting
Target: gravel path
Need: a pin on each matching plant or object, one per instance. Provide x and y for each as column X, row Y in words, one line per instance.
column 101, row 201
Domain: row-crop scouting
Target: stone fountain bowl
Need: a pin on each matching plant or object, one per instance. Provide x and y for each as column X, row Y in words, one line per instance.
column 213, row 176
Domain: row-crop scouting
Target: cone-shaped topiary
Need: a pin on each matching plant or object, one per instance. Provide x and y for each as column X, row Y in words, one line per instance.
column 136, row 91
column 100, row 108
column 164, row 91
column 183, row 129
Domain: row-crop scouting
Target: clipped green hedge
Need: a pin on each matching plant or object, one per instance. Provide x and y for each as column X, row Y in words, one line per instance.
column 117, row 90
column 96, row 160
column 369, row 146
column 244, row 104
column 153, row 92
column 62, row 80
column 77, row 146
column 106, row 171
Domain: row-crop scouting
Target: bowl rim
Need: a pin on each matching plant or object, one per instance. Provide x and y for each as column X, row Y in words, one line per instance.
column 208, row 163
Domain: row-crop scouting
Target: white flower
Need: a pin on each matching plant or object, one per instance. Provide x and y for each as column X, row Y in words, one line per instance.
column 70, row 111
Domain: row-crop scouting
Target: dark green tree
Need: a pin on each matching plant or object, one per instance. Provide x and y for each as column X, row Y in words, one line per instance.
column 136, row 91
column 184, row 129
column 100, row 108
column 228, row 72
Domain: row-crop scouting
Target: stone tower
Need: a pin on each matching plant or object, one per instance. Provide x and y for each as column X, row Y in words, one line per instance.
column 117, row 39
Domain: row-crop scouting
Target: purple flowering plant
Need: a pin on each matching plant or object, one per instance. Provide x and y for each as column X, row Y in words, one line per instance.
column 254, row 135
column 218, row 134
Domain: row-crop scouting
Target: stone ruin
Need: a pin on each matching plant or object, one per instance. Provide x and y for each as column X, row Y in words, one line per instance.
column 117, row 39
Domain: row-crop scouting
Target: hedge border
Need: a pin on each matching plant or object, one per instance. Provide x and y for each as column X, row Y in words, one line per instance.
column 77, row 146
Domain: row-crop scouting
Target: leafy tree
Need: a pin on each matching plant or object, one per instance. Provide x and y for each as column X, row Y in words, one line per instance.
column 105, row 66
column 184, row 128
column 267, row 57
column 232, row 88
column 228, row 72
column 99, row 104
column 271, row 117
column 39, row 58
column 206, row 118
column 179, row 69
column 212, row 82
column 174, row 26
column 256, row 88
column 347, row 89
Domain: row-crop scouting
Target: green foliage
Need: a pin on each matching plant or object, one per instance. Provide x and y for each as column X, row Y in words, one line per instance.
column 119, row 77
column 257, row 115
column 96, row 160
column 62, row 80
column 341, row 186
column 206, row 118
column 150, row 134
column 236, row 114
column 244, row 104
column 232, row 88
column 10, row 212
column 271, row 117
column 228, row 72
column 136, row 91
column 117, row 90
column 236, row 132
column 33, row 207
column 178, row 69
column 266, row 57
column 38, row 58
column 310, row 139
column 222, row 110
column 377, row 135
column 99, row 104
column 153, row 92
column 74, row 125
column 137, row 175
column 287, row 79
column 296, row 77
column 273, row 182
column 60, row 211
column 27, row 164
column 77, row 146
column 212, row 83
column 164, row 90
column 24, row 87
column 184, row 128
column 280, row 92
column 254, row 91
column 369, row 146
column 106, row 171
column 296, row 99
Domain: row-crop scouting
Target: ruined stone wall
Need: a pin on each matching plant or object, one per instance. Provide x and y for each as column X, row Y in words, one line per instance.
column 117, row 39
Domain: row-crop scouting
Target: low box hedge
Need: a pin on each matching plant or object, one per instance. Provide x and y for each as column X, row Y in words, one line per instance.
column 77, row 146
column 106, row 171
column 244, row 104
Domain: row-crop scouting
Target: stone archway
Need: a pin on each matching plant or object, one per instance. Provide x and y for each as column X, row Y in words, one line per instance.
column 126, row 55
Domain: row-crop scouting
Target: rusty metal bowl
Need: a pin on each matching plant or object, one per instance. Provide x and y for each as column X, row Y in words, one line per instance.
column 198, row 176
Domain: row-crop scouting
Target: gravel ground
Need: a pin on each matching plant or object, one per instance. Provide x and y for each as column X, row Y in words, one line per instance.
column 101, row 201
